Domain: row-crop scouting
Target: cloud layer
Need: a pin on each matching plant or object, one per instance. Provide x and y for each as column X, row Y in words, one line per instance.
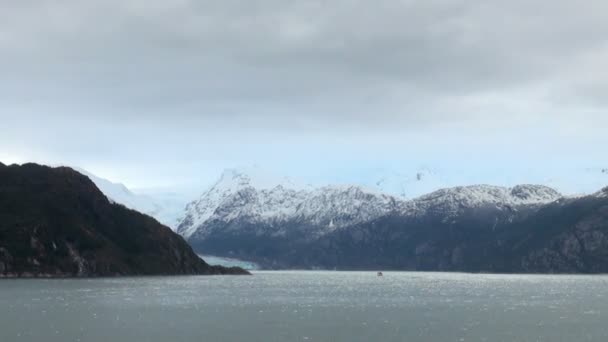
column 175, row 80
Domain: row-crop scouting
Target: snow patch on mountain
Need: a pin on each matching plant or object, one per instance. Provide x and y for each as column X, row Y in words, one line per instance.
column 602, row 193
column 236, row 196
column 119, row 193
column 165, row 209
column 275, row 207
column 231, row 183
column 476, row 195
column 410, row 183
column 452, row 200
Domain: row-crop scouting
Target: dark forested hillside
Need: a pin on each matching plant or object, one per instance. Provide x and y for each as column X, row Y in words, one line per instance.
column 55, row 222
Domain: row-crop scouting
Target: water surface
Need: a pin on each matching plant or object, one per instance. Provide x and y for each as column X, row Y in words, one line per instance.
column 308, row 306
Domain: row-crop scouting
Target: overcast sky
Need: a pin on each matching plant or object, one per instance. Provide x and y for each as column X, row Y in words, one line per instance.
column 157, row 93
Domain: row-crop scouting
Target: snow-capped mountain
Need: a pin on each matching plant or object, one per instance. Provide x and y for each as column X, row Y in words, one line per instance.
column 410, row 183
column 165, row 208
column 231, row 182
column 452, row 200
column 238, row 196
column 119, row 193
column 238, row 203
column 279, row 225
column 602, row 193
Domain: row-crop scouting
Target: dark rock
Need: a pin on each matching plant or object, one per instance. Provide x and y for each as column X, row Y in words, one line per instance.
column 54, row 222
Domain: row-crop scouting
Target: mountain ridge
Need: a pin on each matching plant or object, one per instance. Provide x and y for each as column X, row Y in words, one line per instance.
column 165, row 209
column 347, row 227
column 168, row 206
column 568, row 235
column 55, row 222
column 278, row 203
column 234, row 195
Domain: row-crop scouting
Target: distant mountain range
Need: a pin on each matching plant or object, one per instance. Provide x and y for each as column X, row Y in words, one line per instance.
column 167, row 207
column 279, row 223
column 237, row 195
column 54, row 222
column 525, row 228
column 426, row 179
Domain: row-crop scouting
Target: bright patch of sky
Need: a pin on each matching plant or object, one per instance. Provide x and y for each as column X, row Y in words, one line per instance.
column 166, row 95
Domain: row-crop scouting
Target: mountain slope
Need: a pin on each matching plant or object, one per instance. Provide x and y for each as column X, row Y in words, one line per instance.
column 564, row 236
column 166, row 208
column 234, row 186
column 56, row 222
column 568, row 235
column 237, row 198
column 350, row 227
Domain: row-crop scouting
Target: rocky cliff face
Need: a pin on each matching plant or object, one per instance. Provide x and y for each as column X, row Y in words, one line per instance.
column 568, row 236
column 54, row 222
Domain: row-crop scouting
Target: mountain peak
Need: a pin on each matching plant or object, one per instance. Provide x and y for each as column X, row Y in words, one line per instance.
column 237, row 195
column 233, row 178
column 531, row 192
column 253, row 176
column 481, row 195
column 259, row 198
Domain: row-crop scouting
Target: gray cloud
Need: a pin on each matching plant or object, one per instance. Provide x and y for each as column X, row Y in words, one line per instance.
column 149, row 53
column 241, row 69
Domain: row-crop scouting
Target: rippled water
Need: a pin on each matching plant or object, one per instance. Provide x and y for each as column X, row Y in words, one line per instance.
column 308, row 306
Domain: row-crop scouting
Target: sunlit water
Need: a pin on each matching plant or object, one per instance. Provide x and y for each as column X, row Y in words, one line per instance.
column 308, row 306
